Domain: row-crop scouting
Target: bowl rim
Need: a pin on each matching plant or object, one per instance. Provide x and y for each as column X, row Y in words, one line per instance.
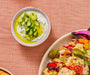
column 47, row 51
column 41, row 40
column 7, row 71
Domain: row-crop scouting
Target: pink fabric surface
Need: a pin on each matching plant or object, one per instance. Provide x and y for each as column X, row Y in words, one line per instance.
column 65, row 16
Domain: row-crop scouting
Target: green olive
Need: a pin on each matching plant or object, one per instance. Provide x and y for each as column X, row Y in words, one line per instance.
column 53, row 54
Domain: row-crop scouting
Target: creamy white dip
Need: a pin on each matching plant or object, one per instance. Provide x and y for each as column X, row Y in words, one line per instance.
column 41, row 19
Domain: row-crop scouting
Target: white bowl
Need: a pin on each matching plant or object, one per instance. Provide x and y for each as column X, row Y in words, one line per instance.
column 5, row 70
column 41, row 40
column 60, row 42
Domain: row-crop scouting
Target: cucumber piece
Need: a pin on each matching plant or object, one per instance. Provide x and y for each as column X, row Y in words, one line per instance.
column 35, row 34
column 28, row 23
column 27, row 29
column 26, row 15
column 31, row 36
column 33, row 16
column 26, row 19
column 20, row 24
column 23, row 23
column 31, row 20
column 31, row 32
column 23, row 19
column 33, row 26
column 34, row 30
column 28, row 37
column 37, row 23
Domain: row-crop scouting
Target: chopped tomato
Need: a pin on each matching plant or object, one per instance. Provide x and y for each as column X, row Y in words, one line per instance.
column 69, row 47
column 51, row 65
column 78, row 68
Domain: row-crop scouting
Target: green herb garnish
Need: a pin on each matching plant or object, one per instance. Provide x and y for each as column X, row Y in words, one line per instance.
column 84, row 51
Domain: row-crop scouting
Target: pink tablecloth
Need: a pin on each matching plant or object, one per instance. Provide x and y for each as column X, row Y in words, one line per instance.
column 65, row 16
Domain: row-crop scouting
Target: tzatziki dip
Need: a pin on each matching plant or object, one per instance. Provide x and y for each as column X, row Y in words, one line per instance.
column 30, row 26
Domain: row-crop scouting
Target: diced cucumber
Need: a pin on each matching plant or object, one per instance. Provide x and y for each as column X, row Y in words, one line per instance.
column 31, row 20
column 26, row 15
column 23, row 19
column 34, row 30
column 31, row 32
column 28, row 37
column 23, row 23
column 37, row 23
column 26, row 19
column 31, row 36
column 20, row 24
column 27, row 32
column 27, row 29
column 28, row 23
column 33, row 25
column 35, row 34
column 33, row 16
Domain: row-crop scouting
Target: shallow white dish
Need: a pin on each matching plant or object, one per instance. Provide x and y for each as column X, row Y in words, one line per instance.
column 5, row 70
column 60, row 42
column 41, row 40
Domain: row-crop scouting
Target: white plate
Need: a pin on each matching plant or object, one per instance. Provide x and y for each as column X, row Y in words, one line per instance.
column 60, row 42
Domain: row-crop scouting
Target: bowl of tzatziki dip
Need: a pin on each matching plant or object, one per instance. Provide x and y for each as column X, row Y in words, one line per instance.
column 30, row 26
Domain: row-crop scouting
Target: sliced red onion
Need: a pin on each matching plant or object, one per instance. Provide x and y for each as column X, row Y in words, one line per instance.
column 83, row 37
column 83, row 32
